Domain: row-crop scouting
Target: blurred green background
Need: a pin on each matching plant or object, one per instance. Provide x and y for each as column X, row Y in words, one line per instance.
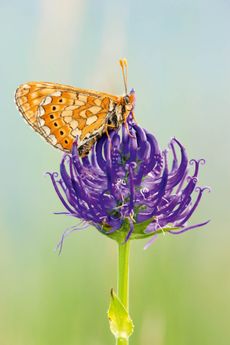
column 178, row 53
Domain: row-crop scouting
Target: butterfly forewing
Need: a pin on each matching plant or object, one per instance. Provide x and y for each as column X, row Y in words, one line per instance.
column 61, row 113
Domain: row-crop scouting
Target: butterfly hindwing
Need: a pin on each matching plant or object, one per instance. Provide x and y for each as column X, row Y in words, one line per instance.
column 60, row 113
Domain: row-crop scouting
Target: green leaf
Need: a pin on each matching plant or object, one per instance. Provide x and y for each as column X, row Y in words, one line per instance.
column 120, row 322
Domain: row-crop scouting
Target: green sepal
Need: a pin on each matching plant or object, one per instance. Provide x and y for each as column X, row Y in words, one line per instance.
column 120, row 322
column 138, row 232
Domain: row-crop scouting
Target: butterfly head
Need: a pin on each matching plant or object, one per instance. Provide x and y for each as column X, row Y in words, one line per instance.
column 129, row 101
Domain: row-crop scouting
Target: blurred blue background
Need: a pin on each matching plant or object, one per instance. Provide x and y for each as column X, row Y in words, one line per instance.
column 178, row 53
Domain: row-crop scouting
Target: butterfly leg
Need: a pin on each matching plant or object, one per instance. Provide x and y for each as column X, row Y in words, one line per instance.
column 128, row 131
column 134, row 118
column 107, row 133
column 106, row 129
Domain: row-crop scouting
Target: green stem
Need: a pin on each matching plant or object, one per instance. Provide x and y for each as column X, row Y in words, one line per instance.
column 123, row 280
column 122, row 341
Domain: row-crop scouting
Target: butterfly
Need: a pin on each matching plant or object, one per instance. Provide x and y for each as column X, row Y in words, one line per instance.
column 61, row 113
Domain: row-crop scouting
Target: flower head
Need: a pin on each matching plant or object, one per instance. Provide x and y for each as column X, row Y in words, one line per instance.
column 126, row 187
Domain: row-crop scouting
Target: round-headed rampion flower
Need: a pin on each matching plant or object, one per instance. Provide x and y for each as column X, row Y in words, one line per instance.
column 126, row 188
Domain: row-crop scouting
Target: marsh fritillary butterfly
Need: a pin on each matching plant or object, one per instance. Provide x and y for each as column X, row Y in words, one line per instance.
column 61, row 113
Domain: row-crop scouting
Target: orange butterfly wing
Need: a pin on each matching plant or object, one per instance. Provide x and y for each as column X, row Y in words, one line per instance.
column 60, row 113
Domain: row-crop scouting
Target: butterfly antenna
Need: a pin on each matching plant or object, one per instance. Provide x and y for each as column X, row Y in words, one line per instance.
column 124, row 69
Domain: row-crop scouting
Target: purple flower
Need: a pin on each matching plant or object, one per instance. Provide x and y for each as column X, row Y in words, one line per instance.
column 126, row 187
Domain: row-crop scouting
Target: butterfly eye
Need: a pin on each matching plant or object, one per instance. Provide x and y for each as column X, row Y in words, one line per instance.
column 126, row 98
